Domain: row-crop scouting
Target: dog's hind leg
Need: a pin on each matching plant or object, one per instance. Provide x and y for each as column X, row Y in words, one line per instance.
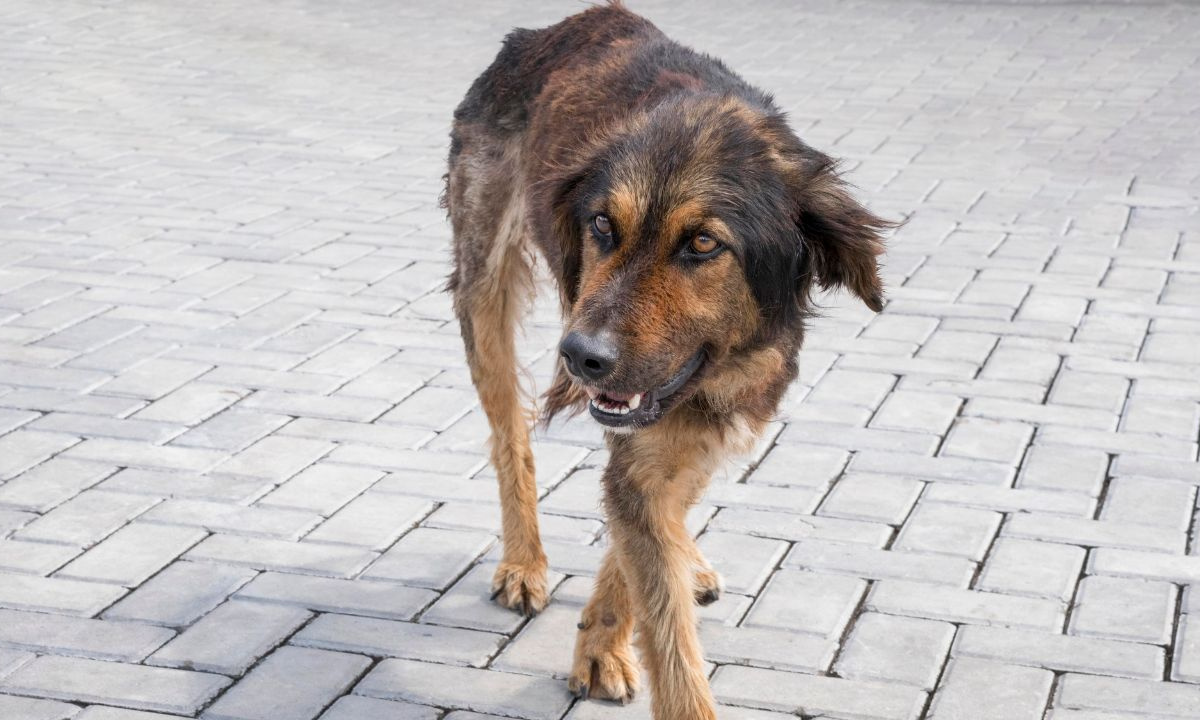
column 492, row 284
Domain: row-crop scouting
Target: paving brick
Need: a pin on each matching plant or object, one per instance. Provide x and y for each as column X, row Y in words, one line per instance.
column 1149, row 565
column 1068, row 653
column 34, row 558
column 911, row 599
column 1137, row 697
column 232, row 519
column 795, row 526
column 301, row 557
column 180, row 594
column 23, row 708
column 937, row 528
column 1186, row 665
column 22, row 449
column 109, row 683
column 981, row 689
column 1058, row 467
column 430, row 558
column 996, row 441
column 875, row 563
column 132, row 554
column 834, row 697
column 933, row 468
column 1037, row 569
column 354, row 597
column 353, row 707
column 231, row 638
column 322, row 488
column 873, row 498
column 1124, row 609
column 1146, row 501
column 1093, row 533
column 812, row 466
column 392, row 638
column 373, row 520
column 467, row 688
column 917, row 412
column 276, row 458
column 291, row 684
column 746, row 561
column 807, row 602
column 51, row 483
column 96, row 639
column 69, row 597
column 895, row 649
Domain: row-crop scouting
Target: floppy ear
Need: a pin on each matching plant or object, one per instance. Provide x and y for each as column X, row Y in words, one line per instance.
column 556, row 223
column 843, row 238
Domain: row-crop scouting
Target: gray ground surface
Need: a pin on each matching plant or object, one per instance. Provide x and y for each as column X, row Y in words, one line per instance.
column 242, row 469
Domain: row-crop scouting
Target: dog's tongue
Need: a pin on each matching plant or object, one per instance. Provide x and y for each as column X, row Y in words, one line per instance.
column 620, row 397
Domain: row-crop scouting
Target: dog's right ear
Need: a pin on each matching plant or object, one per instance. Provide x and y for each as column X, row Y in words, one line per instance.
column 557, row 221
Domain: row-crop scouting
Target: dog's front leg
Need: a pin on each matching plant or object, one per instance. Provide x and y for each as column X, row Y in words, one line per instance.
column 605, row 666
column 647, row 509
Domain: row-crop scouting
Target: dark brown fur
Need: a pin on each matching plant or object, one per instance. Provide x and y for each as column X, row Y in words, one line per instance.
column 602, row 113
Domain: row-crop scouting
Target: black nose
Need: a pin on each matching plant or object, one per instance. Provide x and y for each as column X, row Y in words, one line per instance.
column 591, row 357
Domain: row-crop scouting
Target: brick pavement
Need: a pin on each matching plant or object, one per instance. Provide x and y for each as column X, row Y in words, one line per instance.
column 242, row 473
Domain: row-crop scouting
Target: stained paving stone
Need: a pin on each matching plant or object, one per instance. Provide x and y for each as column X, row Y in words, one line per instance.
column 230, row 377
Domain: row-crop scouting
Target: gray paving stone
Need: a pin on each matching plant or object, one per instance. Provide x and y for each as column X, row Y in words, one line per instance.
column 747, row 561
column 322, row 488
column 34, row 558
column 467, row 689
column 233, row 519
column 1124, row 609
column 231, row 638
column 900, row 597
column 795, row 526
column 95, row 639
column 1038, row 569
column 1070, row 469
column 937, row 528
column 807, row 602
column 281, row 555
column 1093, row 533
column 895, row 649
column 180, row 594
column 132, row 554
column 834, row 697
column 876, row 563
column 873, row 498
column 291, row 684
column 373, row 520
column 23, row 708
column 392, row 638
column 430, row 558
column 1139, row 697
column 1060, row 652
column 50, row 594
column 353, row 597
column 353, row 707
column 981, row 689
column 132, row 686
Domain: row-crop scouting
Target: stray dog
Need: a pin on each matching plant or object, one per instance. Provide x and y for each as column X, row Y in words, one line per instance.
column 685, row 226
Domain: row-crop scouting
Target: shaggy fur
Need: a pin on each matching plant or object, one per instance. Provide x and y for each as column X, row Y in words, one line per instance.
column 602, row 115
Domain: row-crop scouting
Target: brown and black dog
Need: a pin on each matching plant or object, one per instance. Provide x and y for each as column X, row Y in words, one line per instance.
column 685, row 225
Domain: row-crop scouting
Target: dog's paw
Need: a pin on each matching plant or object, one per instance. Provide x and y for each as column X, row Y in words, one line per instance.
column 708, row 586
column 604, row 669
column 521, row 587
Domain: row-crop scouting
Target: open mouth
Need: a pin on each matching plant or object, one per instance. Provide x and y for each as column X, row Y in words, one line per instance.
column 639, row 409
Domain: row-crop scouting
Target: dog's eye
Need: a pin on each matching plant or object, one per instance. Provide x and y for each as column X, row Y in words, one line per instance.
column 703, row 246
column 602, row 226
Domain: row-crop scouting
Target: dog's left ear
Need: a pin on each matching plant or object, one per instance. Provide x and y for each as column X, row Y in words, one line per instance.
column 843, row 239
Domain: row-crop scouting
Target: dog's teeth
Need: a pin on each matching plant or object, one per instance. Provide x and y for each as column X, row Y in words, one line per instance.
column 635, row 401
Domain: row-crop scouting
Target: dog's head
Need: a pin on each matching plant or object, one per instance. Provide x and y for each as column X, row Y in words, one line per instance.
column 689, row 239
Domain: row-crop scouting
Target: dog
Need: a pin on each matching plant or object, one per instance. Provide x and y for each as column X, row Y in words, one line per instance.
column 685, row 226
